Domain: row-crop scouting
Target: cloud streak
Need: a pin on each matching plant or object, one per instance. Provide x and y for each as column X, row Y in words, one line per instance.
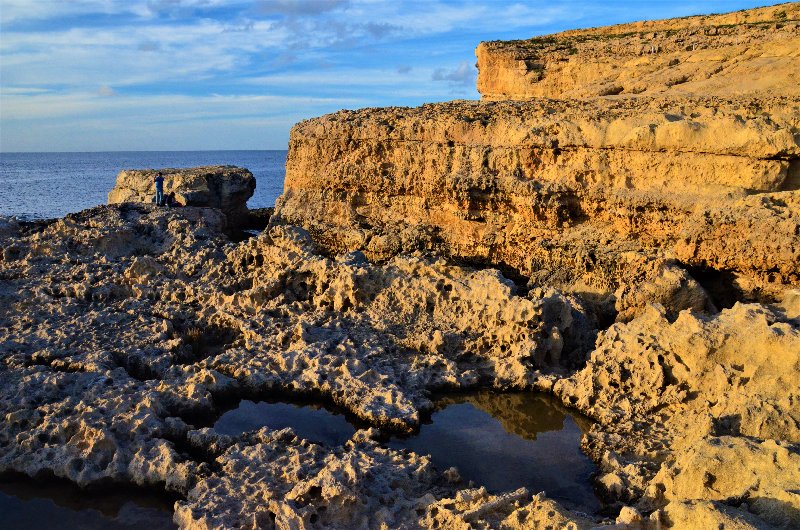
column 463, row 75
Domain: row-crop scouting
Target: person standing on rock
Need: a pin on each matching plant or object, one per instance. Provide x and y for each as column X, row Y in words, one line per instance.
column 159, row 180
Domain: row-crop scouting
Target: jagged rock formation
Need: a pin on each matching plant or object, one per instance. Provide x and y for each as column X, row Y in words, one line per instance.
column 120, row 324
column 640, row 224
column 225, row 187
column 664, row 168
column 753, row 52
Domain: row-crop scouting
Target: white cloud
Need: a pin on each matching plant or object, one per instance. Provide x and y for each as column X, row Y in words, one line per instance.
column 463, row 75
column 161, row 107
column 86, row 121
column 161, row 60
column 106, row 91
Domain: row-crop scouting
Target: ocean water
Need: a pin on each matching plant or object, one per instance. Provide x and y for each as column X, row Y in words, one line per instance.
column 45, row 185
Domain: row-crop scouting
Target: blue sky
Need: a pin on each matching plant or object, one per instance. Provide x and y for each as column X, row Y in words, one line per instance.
column 107, row 75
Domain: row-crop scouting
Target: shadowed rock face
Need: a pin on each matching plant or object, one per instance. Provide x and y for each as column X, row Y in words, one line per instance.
column 225, row 187
column 751, row 52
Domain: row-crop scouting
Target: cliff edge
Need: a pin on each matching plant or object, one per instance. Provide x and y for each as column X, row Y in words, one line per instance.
column 748, row 52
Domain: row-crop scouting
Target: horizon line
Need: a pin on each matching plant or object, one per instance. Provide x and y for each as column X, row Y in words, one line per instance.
column 134, row 151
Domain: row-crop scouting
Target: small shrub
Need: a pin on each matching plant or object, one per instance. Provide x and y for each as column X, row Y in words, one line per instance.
column 196, row 339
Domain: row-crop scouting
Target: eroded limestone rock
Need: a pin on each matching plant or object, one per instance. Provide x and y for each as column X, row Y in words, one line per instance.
column 123, row 328
column 225, row 187
column 121, row 324
column 591, row 196
column 753, row 51
column 668, row 396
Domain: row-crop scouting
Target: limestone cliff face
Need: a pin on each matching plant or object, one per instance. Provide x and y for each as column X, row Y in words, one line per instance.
column 225, row 187
column 576, row 193
column 748, row 52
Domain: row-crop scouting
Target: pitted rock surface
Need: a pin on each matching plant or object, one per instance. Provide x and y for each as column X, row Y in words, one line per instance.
column 225, row 187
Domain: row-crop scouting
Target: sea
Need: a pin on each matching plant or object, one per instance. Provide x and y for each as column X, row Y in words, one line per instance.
column 47, row 185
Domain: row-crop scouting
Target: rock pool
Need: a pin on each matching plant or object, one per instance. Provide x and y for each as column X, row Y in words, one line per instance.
column 500, row 441
column 26, row 503
column 505, row 441
column 312, row 421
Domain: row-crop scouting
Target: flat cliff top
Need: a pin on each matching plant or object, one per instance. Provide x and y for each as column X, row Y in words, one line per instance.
column 785, row 13
column 754, row 52
column 763, row 128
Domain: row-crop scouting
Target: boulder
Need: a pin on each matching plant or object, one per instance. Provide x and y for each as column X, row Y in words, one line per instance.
column 225, row 187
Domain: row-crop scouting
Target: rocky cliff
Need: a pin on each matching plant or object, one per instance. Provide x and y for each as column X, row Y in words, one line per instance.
column 652, row 171
column 653, row 241
column 748, row 52
column 581, row 193
column 224, row 187
column 578, row 194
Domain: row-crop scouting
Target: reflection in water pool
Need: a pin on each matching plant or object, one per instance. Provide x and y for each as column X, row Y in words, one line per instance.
column 26, row 503
column 313, row 422
column 505, row 441
column 501, row 441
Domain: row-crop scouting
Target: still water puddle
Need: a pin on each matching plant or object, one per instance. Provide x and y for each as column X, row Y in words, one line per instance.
column 500, row 441
column 313, row 422
column 26, row 503
column 505, row 441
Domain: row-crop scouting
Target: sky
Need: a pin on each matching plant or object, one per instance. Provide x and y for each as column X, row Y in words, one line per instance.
column 119, row 75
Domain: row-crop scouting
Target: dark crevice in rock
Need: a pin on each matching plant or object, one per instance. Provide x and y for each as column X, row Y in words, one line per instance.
column 56, row 365
column 201, row 454
column 792, row 181
column 136, row 366
column 35, row 226
column 723, row 287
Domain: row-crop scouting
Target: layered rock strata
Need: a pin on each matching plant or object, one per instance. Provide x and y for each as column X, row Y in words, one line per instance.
column 753, row 52
column 224, row 187
column 576, row 194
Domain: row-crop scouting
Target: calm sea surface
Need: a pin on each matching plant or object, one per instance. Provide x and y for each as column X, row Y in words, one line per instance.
column 43, row 185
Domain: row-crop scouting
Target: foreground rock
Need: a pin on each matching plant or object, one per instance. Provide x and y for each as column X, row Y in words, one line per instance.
column 122, row 325
column 225, row 187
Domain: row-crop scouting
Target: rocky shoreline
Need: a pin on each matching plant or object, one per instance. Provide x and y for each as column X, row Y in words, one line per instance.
column 633, row 255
